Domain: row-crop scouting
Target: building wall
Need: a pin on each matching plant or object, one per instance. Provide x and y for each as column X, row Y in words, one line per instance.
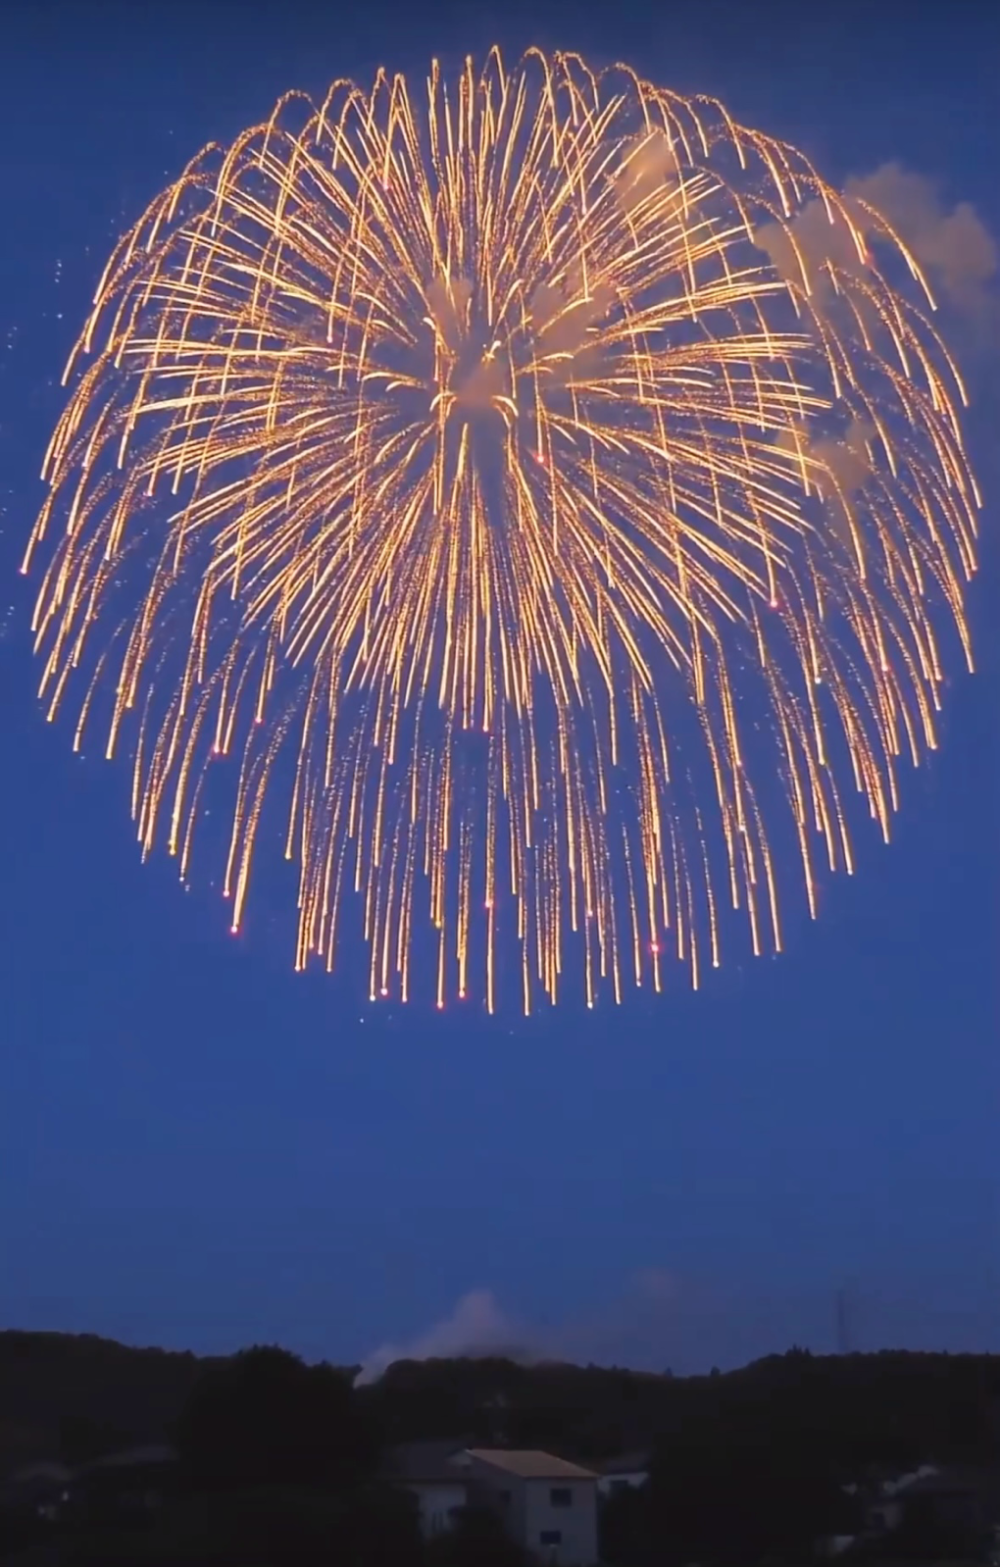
column 610, row 1485
column 576, row 1525
column 527, row 1512
column 503, row 1494
column 436, row 1503
column 884, row 1516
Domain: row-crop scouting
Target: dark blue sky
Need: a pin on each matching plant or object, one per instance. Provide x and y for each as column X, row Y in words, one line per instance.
column 198, row 1148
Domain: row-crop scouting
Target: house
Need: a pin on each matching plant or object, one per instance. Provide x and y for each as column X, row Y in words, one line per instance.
column 436, row 1473
column 32, row 1494
column 958, row 1504
column 549, row 1506
column 883, row 1496
column 625, row 1473
column 34, row 1483
column 948, row 1502
column 127, row 1485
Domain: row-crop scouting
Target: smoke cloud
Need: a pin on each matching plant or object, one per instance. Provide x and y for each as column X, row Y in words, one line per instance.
column 635, row 1324
column 954, row 247
column 657, row 1319
column 477, row 1327
column 648, row 167
column 810, row 242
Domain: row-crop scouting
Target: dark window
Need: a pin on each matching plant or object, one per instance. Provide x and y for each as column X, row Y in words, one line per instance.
column 504, row 1498
column 618, row 1486
column 550, row 1537
column 561, row 1496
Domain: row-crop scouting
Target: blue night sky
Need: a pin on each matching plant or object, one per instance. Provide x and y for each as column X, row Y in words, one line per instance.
column 200, row 1149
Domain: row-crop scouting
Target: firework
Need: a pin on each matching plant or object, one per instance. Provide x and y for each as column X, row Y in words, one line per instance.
column 549, row 496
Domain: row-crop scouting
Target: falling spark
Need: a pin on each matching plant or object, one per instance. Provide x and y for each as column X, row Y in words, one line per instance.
column 468, row 446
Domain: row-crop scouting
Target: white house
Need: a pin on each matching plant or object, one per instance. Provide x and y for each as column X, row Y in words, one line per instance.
column 884, row 1511
column 626, row 1473
column 436, row 1473
column 549, row 1506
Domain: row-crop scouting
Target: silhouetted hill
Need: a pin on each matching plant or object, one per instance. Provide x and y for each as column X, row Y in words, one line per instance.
column 854, row 1409
column 75, row 1396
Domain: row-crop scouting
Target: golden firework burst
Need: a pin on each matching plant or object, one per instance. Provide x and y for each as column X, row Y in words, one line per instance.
column 561, row 476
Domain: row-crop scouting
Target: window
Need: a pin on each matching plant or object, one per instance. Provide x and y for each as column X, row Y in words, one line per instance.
column 618, row 1486
column 504, row 1498
column 550, row 1537
column 561, row 1496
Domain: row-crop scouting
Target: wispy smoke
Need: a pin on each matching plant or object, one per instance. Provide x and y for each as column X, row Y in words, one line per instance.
column 953, row 246
column 635, row 1324
column 813, row 240
column 477, row 1327
column 960, row 262
column 648, row 165
column 656, row 1319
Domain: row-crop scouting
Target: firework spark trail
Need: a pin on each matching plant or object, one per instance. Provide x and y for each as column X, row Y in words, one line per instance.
column 467, row 443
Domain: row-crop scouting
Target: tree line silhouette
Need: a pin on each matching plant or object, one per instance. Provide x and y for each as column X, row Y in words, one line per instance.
column 280, row 1462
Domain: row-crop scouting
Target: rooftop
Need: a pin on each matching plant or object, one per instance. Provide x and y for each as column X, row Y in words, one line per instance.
column 624, row 1464
column 132, row 1457
column 528, row 1464
column 38, row 1471
column 427, row 1462
column 959, row 1480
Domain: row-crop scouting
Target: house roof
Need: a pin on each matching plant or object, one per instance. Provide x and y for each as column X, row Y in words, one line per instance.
column 33, row 1482
column 427, row 1463
column 29, row 1473
column 131, row 1458
column 955, row 1481
column 528, row 1464
column 624, row 1464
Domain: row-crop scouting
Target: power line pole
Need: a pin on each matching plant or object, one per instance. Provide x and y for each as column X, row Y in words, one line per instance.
column 845, row 1340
